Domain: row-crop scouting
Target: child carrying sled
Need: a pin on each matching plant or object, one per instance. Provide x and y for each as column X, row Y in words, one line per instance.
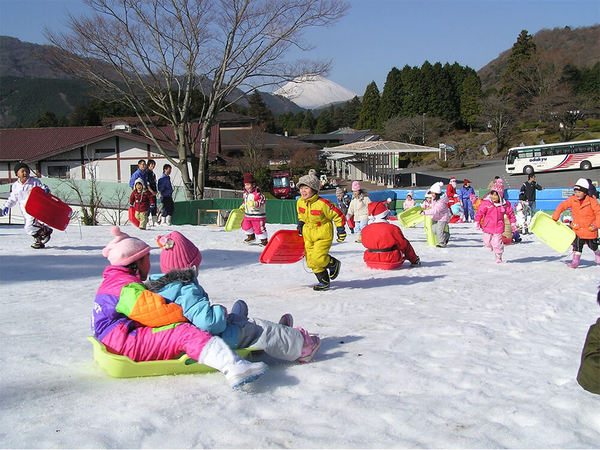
column 141, row 201
column 179, row 260
column 585, row 211
column 316, row 218
column 386, row 246
column 255, row 216
column 132, row 321
column 440, row 214
column 492, row 211
column 19, row 193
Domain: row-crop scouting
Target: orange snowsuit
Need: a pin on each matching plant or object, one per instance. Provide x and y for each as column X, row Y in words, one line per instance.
column 585, row 213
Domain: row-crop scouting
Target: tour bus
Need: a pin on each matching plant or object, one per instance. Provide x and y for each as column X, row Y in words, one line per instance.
column 549, row 157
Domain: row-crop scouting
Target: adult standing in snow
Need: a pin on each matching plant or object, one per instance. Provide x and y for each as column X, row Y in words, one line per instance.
column 465, row 193
column 131, row 321
column 529, row 188
column 165, row 189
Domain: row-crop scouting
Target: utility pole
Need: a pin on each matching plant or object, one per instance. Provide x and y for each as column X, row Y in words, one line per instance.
column 423, row 128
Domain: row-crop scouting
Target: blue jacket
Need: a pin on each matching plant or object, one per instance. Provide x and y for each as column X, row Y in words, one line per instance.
column 464, row 193
column 138, row 174
column 164, row 186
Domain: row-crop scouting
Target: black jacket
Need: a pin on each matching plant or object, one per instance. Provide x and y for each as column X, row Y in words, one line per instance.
column 529, row 190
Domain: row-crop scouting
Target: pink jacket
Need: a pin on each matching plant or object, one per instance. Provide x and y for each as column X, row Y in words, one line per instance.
column 439, row 210
column 493, row 216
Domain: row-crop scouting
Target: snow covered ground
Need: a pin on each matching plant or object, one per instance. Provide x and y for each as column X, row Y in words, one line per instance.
column 460, row 352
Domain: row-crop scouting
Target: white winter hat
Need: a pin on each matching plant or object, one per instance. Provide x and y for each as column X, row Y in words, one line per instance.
column 436, row 188
column 583, row 184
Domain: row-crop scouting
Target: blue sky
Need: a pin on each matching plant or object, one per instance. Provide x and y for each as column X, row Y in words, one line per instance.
column 377, row 35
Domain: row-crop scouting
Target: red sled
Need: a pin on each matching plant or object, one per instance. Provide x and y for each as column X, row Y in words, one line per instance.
column 132, row 217
column 284, row 247
column 48, row 208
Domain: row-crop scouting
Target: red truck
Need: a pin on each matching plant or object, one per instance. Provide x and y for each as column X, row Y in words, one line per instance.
column 280, row 184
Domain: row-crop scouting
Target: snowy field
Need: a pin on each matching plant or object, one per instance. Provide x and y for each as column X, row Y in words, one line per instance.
column 460, row 352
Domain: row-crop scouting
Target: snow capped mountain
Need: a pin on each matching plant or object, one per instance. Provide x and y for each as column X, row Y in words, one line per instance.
column 312, row 91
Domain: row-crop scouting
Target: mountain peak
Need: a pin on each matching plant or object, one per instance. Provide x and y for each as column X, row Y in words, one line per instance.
column 312, row 91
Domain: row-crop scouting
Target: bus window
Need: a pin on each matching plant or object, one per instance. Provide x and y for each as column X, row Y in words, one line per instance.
column 510, row 158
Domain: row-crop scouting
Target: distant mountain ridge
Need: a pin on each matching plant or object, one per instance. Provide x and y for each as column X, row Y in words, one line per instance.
column 314, row 91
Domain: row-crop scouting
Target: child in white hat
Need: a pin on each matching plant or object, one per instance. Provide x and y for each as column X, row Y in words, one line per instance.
column 440, row 214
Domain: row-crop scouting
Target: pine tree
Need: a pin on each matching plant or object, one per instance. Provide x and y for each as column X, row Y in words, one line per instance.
column 441, row 98
column 369, row 112
column 351, row 112
column 308, row 124
column 522, row 52
column 324, row 122
column 469, row 102
column 391, row 98
column 259, row 110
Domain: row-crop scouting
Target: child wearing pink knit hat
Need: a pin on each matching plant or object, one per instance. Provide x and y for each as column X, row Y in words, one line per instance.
column 131, row 322
column 179, row 260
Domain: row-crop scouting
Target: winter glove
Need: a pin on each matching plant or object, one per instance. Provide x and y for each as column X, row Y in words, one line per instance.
column 4, row 212
column 46, row 189
column 341, row 234
column 300, row 227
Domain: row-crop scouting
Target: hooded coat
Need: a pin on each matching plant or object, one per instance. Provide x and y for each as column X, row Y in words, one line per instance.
column 585, row 213
column 493, row 215
column 386, row 246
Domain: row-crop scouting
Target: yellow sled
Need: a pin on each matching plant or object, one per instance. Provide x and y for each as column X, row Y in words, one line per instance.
column 428, row 227
column 234, row 221
column 119, row 366
column 411, row 217
column 554, row 234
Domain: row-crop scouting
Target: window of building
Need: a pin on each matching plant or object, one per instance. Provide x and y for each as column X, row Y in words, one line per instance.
column 104, row 152
column 58, row 171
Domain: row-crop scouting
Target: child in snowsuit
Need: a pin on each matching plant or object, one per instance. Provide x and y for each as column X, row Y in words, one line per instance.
column 316, row 219
column 522, row 214
column 255, row 216
column 585, row 211
column 440, row 214
column 588, row 375
column 343, row 202
column 141, row 200
column 409, row 201
column 165, row 192
column 492, row 211
column 386, row 246
column 19, row 193
column 179, row 261
column 464, row 195
column 132, row 321
column 358, row 208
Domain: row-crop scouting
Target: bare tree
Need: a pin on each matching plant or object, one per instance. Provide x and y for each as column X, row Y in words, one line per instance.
column 255, row 153
column 498, row 116
column 120, row 203
column 156, row 53
column 89, row 202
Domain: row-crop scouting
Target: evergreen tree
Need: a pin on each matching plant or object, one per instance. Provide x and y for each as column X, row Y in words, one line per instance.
column 442, row 98
column 513, row 79
column 351, row 112
column 338, row 118
column 324, row 122
column 308, row 124
column 469, row 102
column 369, row 112
column 391, row 98
column 259, row 110
column 49, row 119
column 412, row 104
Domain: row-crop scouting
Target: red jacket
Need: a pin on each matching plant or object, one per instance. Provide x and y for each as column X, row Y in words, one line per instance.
column 586, row 214
column 141, row 202
column 390, row 245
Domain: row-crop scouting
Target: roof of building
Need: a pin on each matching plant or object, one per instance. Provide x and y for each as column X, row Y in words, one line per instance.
column 380, row 147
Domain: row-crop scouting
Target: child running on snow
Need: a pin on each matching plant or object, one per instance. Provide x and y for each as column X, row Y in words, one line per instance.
column 522, row 214
column 316, row 218
column 585, row 211
column 492, row 211
column 358, row 208
column 343, row 202
column 131, row 321
column 386, row 246
column 440, row 214
column 178, row 282
column 255, row 216
column 141, row 201
column 19, row 193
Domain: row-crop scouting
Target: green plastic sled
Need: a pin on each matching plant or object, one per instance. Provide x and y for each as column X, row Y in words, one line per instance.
column 411, row 217
column 428, row 227
column 119, row 366
column 554, row 234
column 234, row 221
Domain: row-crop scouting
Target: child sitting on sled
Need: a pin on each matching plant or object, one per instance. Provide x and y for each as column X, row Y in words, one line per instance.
column 178, row 282
column 255, row 216
column 141, row 201
column 19, row 193
column 316, row 218
column 132, row 321
column 386, row 246
column 588, row 375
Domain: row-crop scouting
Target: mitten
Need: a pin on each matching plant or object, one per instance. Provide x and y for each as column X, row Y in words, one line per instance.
column 341, row 234
column 300, row 227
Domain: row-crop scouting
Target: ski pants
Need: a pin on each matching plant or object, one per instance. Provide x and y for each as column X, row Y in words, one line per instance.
column 468, row 209
column 167, row 206
column 441, row 231
column 278, row 341
column 494, row 242
column 256, row 226
column 578, row 244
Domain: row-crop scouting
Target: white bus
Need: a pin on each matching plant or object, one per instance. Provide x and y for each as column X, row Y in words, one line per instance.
column 549, row 157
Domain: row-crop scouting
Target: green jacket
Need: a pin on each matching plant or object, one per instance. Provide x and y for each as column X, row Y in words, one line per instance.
column 589, row 371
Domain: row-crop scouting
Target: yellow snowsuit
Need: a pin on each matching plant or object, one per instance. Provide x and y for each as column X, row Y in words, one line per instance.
column 319, row 215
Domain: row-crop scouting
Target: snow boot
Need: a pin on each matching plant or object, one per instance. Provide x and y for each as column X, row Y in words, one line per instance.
column 417, row 262
column 240, row 309
column 597, row 255
column 333, row 267
column 44, row 234
column 237, row 370
column 359, row 238
column 168, row 220
column 287, row 320
column 311, row 346
column 249, row 238
column 323, row 283
column 263, row 242
column 498, row 258
column 37, row 244
column 575, row 261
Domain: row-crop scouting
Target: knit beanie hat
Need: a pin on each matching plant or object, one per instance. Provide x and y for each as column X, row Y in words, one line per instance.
column 178, row 252
column 355, row 186
column 582, row 185
column 124, row 249
column 139, row 180
column 20, row 165
column 378, row 210
column 436, row 188
column 248, row 178
column 465, row 181
column 499, row 187
column 311, row 181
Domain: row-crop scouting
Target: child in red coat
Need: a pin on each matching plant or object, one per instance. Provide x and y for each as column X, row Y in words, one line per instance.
column 386, row 246
column 141, row 201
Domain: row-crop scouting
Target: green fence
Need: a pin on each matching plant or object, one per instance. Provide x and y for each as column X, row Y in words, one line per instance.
column 187, row 213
